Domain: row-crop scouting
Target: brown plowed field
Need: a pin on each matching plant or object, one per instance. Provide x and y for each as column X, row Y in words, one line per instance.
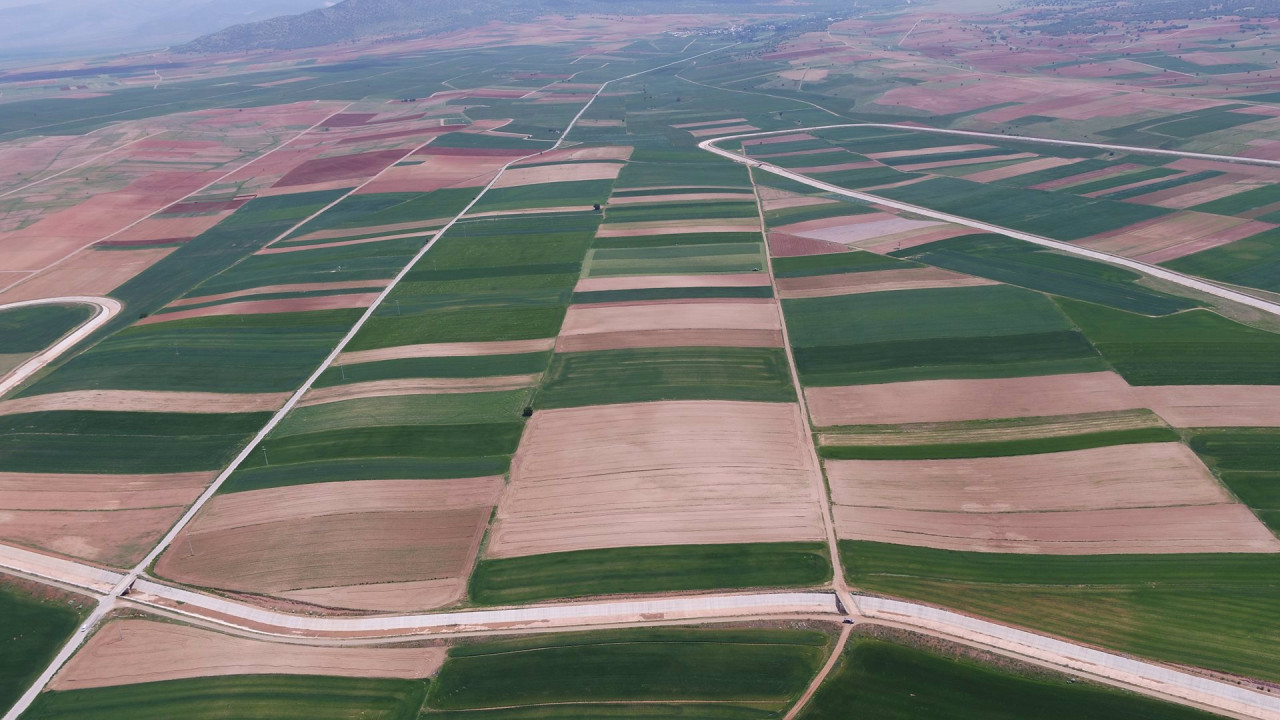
column 335, row 534
column 784, row 245
column 254, row 307
column 125, row 652
column 438, row 171
column 1196, row 529
column 267, row 289
column 851, row 230
column 589, row 319
column 659, row 473
column 460, row 349
column 911, row 238
column 579, row 154
column 1144, row 239
column 146, row 401
column 1106, row 478
column 92, row 272
column 35, row 491
column 669, row 338
column 343, row 167
column 1214, row 405
column 415, row 386
column 955, row 400
column 642, row 282
column 118, row 538
column 385, row 597
column 875, row 281
column 567, row 172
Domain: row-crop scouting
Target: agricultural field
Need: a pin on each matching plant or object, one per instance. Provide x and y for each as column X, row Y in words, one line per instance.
column 455, row 375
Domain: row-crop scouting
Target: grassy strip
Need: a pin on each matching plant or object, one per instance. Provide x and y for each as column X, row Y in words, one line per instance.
column 31, row 632
column 651, row 241
column 648, row 374
column 1163, row 185
column 998, row 449
column 661, row 665
column 884, row 680
column 669, row 568
column 243, row 697
column 408, row 409
column 605, row 296
column 639, row 711
column 1210, row 610
column 32, row 329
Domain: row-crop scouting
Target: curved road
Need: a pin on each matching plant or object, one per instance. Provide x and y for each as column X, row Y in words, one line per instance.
column 1189, row 281
column 107, row 309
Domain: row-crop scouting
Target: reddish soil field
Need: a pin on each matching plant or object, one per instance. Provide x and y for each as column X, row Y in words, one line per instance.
column 1197, row 529
column 118, row 538
column 37, row 491
column 659, row 473
column 1214, row 405
column 360, row 165
column 784, row 245
column 264, row 289
column 125, row 652
column 92, row 272
column 956, row 400
column 725, row 130
column 1163, row 234
column 558, row 173
column 1022, row 168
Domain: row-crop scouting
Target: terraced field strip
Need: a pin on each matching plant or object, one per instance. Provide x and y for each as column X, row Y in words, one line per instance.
column 1152, row 270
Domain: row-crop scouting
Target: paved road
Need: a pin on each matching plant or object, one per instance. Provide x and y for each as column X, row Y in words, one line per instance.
column 107, row 308
column 1189, row 281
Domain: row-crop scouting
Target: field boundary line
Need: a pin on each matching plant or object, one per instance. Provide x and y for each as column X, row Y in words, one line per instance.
column 1178, row 278
column 836, row 652
column 838, row 582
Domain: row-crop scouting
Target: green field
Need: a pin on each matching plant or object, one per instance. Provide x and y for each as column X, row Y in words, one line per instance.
column 1253, row 261
column 668, row 665
column 987, row 331
column 677, row 259
column 1209, row 610
column 1191, row 348
column 32, row 329
column 408, row 409
column 879, row 680
column 1020, row 263
column 31, row 633
column 242, row 697
column 670, row 568
column 256, row 475
column 1032, row 446
column 833, row 263
column 678, row 373
column 1248, row 461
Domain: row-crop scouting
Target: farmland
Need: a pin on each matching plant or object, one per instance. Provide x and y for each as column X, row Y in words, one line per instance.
column 884, row 680
column 455, row 376
column 759, row 669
